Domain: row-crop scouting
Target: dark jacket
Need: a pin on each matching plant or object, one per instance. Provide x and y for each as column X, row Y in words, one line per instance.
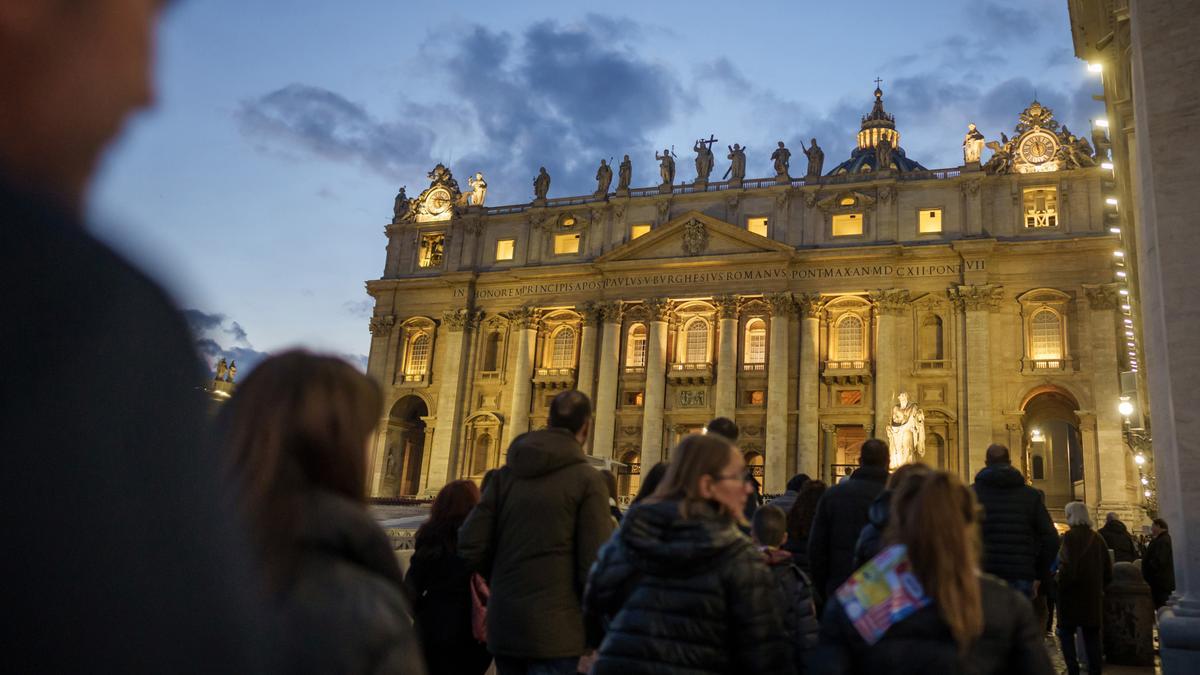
column 1116, row 537
column 102, row 421
column 785, row 501
column 870, row 540
column 685, row 595
column 440, row 585
column 921, row 643
column 1084, row 570
column 841, row 515
column 1158, row 568
column 796, row 602
column 1019, row 539
column 540, row 522
column 346, row 612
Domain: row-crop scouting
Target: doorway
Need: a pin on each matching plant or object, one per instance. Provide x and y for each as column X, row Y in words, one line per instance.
column 405, row 447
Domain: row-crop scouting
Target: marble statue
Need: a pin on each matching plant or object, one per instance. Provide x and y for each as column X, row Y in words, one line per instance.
column 782, row 158
column 906, row 432
column 624, row 174
column 400, row 207
column 972, row 144
column 704, row 159
column 883, row 155
column 737, row 163
column 478, row 189
column 666, row 166
column 541, row 185
column 816, row 159
column 232, row 372
column 222, row 368
column 603, row 178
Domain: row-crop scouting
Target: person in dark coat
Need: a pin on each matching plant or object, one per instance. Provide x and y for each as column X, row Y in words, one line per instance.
column 1084, row 570
column 728, row 429
column 1158, row 565
column 294, row 437
column 1019, row 539
column 870, row 540
column 972, row 623
column 440, row 584
column 791, row 491
column 679, row 588
column 841, row 515
column 795, row 595
column 650, row 481
column 800, row 520
column 1117, row 538
column 122, row 554
column 534, row 536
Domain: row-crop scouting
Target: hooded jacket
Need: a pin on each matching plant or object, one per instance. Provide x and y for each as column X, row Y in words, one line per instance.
column 534, row 535
column 841, row 515
column 1019, row 539
column 870, row 540
column 685, row 595
column 796, row 602
column 1116, row 536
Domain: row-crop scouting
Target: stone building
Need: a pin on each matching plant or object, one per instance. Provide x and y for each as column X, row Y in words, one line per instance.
column 801, row 307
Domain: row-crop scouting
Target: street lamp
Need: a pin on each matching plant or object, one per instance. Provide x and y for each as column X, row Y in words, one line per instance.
column 1125, row 407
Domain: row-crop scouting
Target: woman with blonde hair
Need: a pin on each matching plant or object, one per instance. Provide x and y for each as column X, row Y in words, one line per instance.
column 294, row 438
column 679, row 587
column 922, row 605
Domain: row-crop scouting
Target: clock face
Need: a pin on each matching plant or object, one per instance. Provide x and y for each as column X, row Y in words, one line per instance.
column 1038, row 147
column 438, row 201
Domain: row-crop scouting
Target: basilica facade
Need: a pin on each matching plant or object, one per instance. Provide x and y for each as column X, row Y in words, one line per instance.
column 816, row 311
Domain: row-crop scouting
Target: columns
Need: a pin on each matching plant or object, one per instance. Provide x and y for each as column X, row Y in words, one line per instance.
column 1111, row 482
column 586, row 379
column 977, row 302
column 888, row 306
column 829, row 431
column 378, row 458
column 726, row 394
column 606, row 388
column 782, row 308
column 455, row 323
column 656, row 382
column 377, row 367
column 524, row 326
column 810, row 306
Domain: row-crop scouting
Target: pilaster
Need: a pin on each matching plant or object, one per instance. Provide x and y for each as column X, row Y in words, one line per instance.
column 783, row 307
column 455, row 322
column 606, row 388
column 524, row 323
column 656, row 382
column 888, row 305
column 726, row 388
column 977, row 302
column 807, row 438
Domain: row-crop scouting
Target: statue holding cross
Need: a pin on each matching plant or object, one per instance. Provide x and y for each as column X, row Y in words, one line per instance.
column 704, row 158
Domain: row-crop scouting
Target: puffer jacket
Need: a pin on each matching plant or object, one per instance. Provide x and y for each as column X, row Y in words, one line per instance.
column 796, row 601
column 921, row 643
column 346, row 611
column 1116, row 536
column 1019, row 539
column 684, row 595
column 870, row 539
column 841, row 515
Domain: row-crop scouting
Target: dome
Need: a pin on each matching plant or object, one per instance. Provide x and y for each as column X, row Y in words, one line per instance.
column 876, row 126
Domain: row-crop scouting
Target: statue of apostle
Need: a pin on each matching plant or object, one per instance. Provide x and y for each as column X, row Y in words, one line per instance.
column 972, row 144
column 737, row 163
column 816, row 159
column 666, row 166
column 541, row 185
column 704, row 160
column 782, row 158
column 624, row 175
column 906, row 432
column 883, row 155
column 603, row 178
column 478, row 189
column 222, row 369
column 400, row 206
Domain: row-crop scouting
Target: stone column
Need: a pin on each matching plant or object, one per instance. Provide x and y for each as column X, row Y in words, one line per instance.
column 586, row 380
column 449, row 380
column 782, row 308
column 830, row 433
column 727, row 364
column 977, row 302
column 656, row 382
column 381, row 330
column 1091, row 460
column 1112, row 484
column 888, row 306
column 807, row 437
column 606, row 388
column 524, row 324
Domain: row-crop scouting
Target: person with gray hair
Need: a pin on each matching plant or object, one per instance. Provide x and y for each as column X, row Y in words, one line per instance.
column 1117, row 536
column 1084, row 569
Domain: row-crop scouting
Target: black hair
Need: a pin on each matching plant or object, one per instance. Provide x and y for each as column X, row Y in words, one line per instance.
column 570, row 410
column 723, row 426
column 996, row 454
column 874, row 453
column 770, row 525
column 796, row 482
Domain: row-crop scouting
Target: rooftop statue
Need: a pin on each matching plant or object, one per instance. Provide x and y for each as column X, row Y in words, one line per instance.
column 704, row 158
column 603, row 178
column 666, row 166
column 972, row 144
column 816, row 158
column 222, row 369
column 478, row 189
column 541, row 185
column 401, row 205
column 782, row 158
column 737, row 163
column 624, row 175
column 883, row 155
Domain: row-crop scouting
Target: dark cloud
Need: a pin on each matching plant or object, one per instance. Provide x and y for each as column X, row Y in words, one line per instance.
column 246, row 358
column 359, row 308
column 1003, row 22
column 202, row 321
column 213, row 329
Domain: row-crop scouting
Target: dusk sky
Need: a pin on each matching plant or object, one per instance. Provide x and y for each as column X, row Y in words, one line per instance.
column 258, row 188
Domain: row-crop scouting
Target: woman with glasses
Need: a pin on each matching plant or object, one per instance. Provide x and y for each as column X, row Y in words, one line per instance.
column 679, row 587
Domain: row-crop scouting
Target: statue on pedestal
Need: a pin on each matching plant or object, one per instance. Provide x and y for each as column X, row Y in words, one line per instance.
column 603, row 178
column 906, row 432
column 883, row 155
column 737, row 163
column 972, row 144
column 704, row 158
column 816, row 159
column 478, row 189
column 232, row 372
column 624, row 175
column 222, row 368
column 666, row 166
column 541, row 185
column 400, row 206
column 782, row 158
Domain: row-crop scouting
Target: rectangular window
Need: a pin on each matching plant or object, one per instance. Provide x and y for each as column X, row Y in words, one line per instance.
column 757, row 225
column 850, row 397
column 432, row 249
column 1041, row 207
column 847, row 224
column 756, row 397
column 505, row 249
column 565, row 244
column 930, row 221
column 635, row 398
column 638, row 230
column 756, row 345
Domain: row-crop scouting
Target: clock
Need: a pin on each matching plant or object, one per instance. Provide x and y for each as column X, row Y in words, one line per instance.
column 438, row 201
column 1038, row 147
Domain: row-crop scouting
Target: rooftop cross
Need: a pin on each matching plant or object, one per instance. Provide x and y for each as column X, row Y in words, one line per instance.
column 878, row 82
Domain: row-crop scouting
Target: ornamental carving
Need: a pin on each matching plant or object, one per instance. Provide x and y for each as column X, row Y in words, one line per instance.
column 522, row 317
column 781, row 304
column 811, row 197
column 727, row 306
column 589, row 310
column 1104, row 296
column 659, row 309
column 781, row 200
column 695, row 237
column 610, row 312
column 969, row 187
column 834, row 202
column 436, row 203
column 886, row 193
column 618, row 211
column 460, row 319
column 810, row 304
column 664, row 210
column 693, row 398
column 892, row 301
column 382, row 325
column 631, row 431
column 978, row 297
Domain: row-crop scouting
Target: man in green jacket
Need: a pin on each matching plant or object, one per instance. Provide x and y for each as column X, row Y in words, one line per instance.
column 535, row 535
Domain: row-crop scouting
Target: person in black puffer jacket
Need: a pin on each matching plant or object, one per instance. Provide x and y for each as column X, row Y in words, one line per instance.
column 795, row 595
column 1116, row 537
column 679, row 587
column 1019, row 539
column 841, row 515
column 800, row 520
column 870, row 540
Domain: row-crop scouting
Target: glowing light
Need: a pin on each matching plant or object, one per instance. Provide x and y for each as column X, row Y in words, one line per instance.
column 1126, row 307
column 1128, row 322
column 1102, row 123
column 1145, row 481
column 1121, row 274
column 1106, row 165
column 1147, row 493
column 1118, row 253
column 1115, row 230
column 1125, row 408
column 1123, row 292
column 1095, row 67
column 1139, row 459
column 1111, row 201
column 1035, row 435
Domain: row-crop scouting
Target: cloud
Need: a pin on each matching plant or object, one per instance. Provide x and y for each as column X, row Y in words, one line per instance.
column 359, row 308
column 213, row 332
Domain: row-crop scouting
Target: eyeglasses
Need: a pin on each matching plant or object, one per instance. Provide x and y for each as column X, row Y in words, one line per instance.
column 743, row 476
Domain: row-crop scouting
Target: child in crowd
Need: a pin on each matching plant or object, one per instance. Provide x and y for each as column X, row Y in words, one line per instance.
column 795, row 595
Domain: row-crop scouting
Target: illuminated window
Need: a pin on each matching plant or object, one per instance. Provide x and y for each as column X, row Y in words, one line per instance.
column 756, row 397
column 846, row 201
column 417, row 363
column 850, row 338
column 638, row 230
column 756, row 342
column 491, row 352
column 635, row 398
column 930, row 221
column 432, row 250
column 757, row 225
column 1041, row 207
column 567, row 221
column 847, row 224
column 480, row 458
column 566, row 244
column 850, row 396
column 635, row 354
column 505, row 249
column 696, row 349
column 1045, row 336
column 563, row 349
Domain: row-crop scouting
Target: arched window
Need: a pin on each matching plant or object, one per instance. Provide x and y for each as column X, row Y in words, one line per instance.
column 629, row 475
column 481, row 455
column 935, row 450
column 1045, row 336
column 635, row 352
column 931, row 340
column 417, row 363
column 756, row 342
column 696, row 345
column 562, row 353
column 491, row 352
column 850, row 338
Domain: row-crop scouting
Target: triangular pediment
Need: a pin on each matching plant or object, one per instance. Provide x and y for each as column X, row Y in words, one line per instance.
column 694, row 234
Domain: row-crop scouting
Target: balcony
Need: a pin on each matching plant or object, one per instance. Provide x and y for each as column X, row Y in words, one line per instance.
column 554, row 378
column 690, row 373
column 1047, row 366
column 846, row 372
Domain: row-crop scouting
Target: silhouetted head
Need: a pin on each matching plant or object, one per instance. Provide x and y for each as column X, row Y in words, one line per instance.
column 874, row 453
column 997, row 455
column 571, row 410
column 723, row 427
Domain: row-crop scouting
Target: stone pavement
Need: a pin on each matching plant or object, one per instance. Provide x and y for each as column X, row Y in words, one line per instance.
column 1056, row 659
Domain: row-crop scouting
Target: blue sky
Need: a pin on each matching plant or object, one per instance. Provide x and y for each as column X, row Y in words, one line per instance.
column 258, row 187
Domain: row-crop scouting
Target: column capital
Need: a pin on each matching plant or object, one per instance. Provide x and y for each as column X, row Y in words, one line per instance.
column 892, row 301
column 590, row 311
column 659, row 309
column 977, row 297
column 381, row 326
column 810, row 305
column 1102, row 296
column 829, row 428
column 727, row 306
column 523, row 317
column 458, row 320
column 611, row 311
column 781, row 304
